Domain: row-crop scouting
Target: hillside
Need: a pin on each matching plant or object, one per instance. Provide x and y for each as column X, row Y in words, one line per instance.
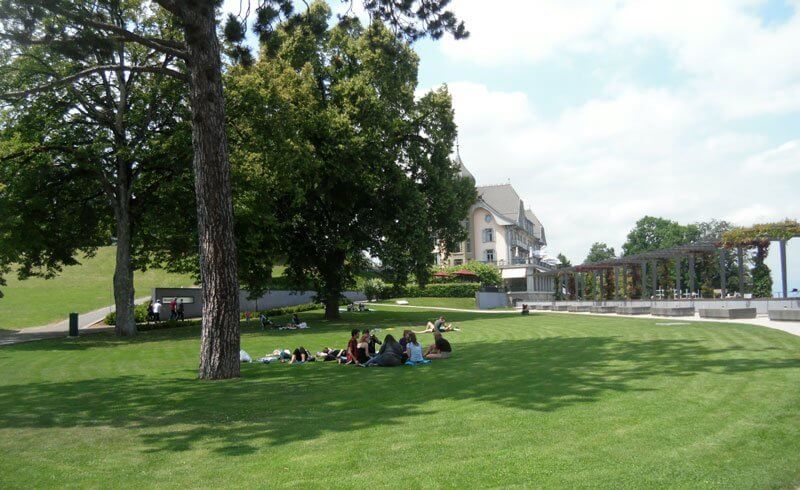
column 79, row 288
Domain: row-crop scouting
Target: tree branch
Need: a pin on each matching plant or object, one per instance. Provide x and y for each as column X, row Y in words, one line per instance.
column 89, row 71
column 155, row 43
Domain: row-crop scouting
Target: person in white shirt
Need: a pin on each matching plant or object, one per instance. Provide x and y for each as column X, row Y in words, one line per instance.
column 157, row 310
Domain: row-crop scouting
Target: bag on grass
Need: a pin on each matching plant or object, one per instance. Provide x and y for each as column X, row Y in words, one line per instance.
column 244, row 356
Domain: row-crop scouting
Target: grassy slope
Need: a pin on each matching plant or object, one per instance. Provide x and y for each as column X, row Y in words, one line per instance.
column 463, row 303
column 544, row 400
column 80, row 288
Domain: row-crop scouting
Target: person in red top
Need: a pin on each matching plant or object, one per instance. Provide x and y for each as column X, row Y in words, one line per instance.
column 352, row 348
column 173, row 309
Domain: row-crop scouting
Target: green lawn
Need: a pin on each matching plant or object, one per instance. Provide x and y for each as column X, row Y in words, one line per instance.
column 462, row 303
column 81, row 288
column 545, row 401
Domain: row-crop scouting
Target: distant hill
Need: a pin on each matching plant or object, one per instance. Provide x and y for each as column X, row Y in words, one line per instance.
column 79, row 288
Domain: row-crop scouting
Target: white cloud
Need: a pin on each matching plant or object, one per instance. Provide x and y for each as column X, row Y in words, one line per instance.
column 730, row 60
column 783, row 160
column 592, row 172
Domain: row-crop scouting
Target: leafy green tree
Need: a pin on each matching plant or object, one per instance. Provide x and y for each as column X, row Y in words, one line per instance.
column 563, row 261
column 355, row 163
column 599, row 251
column 195, row 59
column 94, row 159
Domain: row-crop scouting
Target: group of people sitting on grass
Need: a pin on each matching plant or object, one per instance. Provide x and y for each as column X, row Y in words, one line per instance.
column 362, row 349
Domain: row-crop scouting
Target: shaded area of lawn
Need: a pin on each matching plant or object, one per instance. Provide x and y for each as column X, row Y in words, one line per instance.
column 535, row 371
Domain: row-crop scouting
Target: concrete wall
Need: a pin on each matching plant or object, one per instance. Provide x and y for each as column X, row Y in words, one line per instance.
column 486, row 301
column 762, row 305
column 193, row 306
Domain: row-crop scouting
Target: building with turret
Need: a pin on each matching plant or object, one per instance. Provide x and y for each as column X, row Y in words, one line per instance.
column 501, row 230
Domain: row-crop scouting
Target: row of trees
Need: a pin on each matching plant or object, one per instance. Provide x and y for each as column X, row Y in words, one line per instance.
column 114, row 128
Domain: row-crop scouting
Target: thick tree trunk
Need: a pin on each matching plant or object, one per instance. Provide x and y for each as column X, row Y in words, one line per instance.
column 219, row 349
column 332, row 306
column 123, row 274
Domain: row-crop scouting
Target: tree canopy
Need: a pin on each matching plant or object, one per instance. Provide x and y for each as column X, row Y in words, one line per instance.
column 355, row 165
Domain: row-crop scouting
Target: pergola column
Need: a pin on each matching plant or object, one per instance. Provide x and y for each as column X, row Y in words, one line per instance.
column 678, row 275
column 643, row 295
column 654, row 279
column 625, row 282
column 723, row 279
column 616, row 282
column 740, row 259
column 692, row 274
column 784, row 282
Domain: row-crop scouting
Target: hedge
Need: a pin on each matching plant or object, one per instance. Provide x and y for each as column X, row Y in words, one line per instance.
column 452, row 290
column 288, row 310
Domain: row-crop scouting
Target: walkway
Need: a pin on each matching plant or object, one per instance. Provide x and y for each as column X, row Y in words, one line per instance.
column 91, row 322
column 761, row 321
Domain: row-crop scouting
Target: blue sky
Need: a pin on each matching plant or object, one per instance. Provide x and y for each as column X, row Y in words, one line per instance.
column 602, row 111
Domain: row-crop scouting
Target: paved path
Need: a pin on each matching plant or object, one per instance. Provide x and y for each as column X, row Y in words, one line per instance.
column 761, row 321
column 91, row 322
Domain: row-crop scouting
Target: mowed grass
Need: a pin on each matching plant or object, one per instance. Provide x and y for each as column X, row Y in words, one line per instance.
column 463, row 303
column 80, row 288
column 545, row 400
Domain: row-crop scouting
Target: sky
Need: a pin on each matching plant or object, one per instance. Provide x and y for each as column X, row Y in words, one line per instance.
column 602, row 111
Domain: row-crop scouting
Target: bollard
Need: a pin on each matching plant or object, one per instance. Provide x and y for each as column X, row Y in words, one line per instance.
column 73, row 324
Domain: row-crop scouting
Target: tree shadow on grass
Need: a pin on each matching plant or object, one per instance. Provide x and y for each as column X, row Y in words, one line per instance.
column 278, row 404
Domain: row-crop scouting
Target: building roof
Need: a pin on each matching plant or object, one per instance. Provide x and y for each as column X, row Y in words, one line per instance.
column 462, row 169
column 503, row 198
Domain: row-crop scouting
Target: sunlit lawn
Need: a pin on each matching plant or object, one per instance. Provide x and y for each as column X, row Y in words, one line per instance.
column 81, row 288
column 542, row 401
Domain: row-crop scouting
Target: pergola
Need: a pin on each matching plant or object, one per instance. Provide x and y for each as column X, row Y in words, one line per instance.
column 649, row 261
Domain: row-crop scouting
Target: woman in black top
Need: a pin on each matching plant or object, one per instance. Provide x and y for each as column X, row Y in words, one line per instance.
column 441, row 348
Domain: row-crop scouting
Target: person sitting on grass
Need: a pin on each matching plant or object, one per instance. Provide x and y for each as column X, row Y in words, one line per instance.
column 440, row 349
column 363, row 347
column 300, row 355
column 372, row 342
column 525, row 310
column 391, row 354
column 351, row 356
column 439, row 326
column 265, row 321
column 414, row 351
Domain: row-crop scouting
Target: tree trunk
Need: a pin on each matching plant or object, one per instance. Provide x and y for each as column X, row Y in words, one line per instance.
column 219, row 349
column 123, row 274
column 332, row 305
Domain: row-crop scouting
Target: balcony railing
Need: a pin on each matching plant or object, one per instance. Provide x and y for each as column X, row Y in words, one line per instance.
column 521, row 261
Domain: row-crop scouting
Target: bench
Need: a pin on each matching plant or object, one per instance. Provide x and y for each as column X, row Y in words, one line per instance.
column 633, row 310
column 727, row 313
column 673, row 311
column 603, row 309
column 785, row 315
column 579, row 308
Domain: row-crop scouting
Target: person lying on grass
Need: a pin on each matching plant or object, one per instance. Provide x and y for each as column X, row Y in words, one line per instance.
column 300, row 355
column 328, row 354
column 439, row 326
column 440, row 349
column 391, row 354
column 414, row 351
column 351, row 356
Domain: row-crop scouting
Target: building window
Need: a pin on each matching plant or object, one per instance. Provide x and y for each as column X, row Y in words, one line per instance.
column 488, row 235
column 489, row 255
column 458, row 262
column 468, row 245
column 488, row 218
column 457, row 248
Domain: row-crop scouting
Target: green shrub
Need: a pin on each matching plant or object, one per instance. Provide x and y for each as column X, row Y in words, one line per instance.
column 488, row 274
column 139, row 315
column 376, row 289
column 288, row 310
column 452, row 290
